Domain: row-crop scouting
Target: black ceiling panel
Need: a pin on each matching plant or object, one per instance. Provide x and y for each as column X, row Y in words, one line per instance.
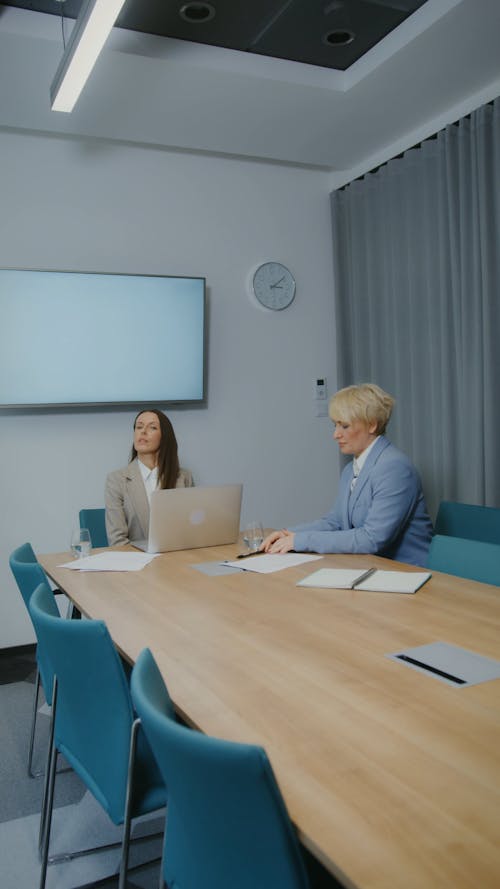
column 326, row 33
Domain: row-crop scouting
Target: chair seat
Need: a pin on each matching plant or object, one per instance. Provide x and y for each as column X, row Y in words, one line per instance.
column 471, row 559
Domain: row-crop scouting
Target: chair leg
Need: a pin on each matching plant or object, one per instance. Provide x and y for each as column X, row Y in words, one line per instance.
column 36, row 696
column 122, row 882
column 48, row 803
column 106, row 847
column 50, row 749
column 161, row 884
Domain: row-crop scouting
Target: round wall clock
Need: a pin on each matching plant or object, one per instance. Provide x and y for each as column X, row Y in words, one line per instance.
column 274, row 285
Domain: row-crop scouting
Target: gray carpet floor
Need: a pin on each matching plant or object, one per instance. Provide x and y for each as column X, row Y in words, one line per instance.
column 78, row 823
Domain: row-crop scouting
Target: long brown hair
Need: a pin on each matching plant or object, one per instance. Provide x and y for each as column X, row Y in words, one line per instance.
column 168, row 459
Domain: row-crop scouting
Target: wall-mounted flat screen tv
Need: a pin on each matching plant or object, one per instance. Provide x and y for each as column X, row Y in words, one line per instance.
column 74, row 339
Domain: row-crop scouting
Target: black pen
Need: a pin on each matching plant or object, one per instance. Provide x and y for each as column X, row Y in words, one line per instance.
column 431, row 669
column 257, row 552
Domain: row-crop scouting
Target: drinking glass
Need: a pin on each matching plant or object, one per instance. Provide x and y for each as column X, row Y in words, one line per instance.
column 253, row 535
column 81, row 543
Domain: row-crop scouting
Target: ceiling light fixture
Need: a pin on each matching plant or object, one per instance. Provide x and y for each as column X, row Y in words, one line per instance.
column 92, row 27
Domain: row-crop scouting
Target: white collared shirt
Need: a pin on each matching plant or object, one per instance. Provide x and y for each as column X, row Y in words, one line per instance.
column 149, row 477
column 359, row 462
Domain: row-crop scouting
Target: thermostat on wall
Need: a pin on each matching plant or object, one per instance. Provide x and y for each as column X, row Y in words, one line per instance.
column 320, row 389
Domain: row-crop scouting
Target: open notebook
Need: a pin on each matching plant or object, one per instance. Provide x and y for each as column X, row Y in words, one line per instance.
column 374, row 579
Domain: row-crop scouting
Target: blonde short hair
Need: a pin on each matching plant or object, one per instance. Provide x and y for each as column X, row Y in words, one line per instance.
column 366, row 402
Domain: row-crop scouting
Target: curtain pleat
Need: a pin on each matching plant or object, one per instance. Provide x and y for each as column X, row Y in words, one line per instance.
column 416, row 249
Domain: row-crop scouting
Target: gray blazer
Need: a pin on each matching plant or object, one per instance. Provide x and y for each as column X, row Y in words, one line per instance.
column 127, row 505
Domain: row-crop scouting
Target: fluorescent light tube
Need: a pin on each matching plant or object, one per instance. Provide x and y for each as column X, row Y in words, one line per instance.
column 92, row 27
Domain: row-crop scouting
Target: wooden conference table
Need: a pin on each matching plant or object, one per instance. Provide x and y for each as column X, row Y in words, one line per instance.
column 391, row 777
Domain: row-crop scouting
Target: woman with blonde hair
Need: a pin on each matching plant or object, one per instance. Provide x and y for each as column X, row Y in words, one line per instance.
column 380, row 507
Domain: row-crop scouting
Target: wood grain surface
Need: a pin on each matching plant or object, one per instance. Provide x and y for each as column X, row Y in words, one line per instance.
column 391, row 777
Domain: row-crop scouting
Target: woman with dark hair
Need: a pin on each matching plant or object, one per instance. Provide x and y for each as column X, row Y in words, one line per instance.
column 154, row 464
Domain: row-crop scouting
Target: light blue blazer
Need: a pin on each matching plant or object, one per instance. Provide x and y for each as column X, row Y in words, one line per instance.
column 384, row 514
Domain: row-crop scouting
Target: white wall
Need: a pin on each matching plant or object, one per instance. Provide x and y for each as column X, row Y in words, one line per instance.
column 97, row 206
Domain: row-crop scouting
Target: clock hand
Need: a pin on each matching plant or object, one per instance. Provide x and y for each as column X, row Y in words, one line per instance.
column 277, row 285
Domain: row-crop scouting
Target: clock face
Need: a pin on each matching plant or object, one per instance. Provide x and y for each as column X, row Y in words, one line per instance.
column 274, row 285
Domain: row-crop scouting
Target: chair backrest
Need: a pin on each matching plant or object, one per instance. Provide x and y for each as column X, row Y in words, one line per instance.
column 95, row 521
column 468, row 520
column 27, row 570
column 94, row 711
column 29, row 574
column 472, row 559
column 227, row 823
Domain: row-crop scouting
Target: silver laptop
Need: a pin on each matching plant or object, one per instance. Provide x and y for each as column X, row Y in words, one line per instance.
column 186, row 518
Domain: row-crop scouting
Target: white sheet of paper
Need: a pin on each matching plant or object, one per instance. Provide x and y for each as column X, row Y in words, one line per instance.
column 333, row 578
column 269, row 562
column 394, row 581
column 111, row 561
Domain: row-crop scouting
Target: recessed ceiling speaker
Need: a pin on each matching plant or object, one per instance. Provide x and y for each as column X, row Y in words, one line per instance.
column 197, row 12
column 338, row 38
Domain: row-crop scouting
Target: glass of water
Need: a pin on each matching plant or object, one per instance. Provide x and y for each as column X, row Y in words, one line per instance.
column 253, row 535
column 81, row 544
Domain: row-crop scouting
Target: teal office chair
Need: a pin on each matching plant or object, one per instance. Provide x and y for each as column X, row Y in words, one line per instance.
column 93, row 724
column 95, row 521
column 28, row 573
column 227, row 825
column 467, row 520
column 472, row 559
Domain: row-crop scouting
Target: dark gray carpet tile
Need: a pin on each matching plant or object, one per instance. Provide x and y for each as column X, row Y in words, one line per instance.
column 21, row 795
column 18, row 665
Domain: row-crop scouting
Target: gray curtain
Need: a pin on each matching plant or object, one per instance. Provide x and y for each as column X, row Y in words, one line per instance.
column 417, row 264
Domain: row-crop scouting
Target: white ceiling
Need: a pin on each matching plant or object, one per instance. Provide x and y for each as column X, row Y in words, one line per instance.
column 439, row 65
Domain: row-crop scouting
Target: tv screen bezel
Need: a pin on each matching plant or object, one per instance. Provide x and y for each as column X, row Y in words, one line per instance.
column 50, row 407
